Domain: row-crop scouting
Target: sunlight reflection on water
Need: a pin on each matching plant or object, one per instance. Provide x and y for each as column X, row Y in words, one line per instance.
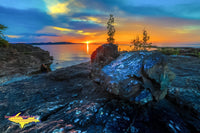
column 71, row 54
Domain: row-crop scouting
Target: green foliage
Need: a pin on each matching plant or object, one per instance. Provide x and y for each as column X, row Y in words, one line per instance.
column 3, row 42
column 137, row 43
column 169, row 51
column 196, row 53
column 141, row 44
column 111, row 30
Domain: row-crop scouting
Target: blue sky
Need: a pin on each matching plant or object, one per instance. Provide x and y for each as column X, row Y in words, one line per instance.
column 171, row 21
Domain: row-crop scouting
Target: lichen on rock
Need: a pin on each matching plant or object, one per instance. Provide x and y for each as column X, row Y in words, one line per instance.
column 139, row 77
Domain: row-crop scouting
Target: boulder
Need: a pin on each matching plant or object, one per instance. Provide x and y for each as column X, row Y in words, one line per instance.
column 102, row 56
column 139, row 77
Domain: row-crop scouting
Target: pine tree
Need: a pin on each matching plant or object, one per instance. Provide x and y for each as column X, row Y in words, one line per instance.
column 111, row 30
column 3, row 42
column 146, row 38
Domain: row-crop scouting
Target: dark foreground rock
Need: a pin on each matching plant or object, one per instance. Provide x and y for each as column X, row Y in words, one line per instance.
column 22, row 59
column 185, row 89
column 102, row 56
column 68, row 100
column 105, row 54
column 139, row 77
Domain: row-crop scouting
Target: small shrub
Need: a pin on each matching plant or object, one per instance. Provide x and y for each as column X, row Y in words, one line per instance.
column 136, row 43
column 169, row 51
column 141, row 44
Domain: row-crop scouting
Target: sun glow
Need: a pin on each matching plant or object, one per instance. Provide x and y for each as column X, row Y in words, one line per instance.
column 87, row 47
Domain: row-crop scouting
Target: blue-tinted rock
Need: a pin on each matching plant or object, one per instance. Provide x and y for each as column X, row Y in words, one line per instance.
column 188, row 100
column 138, row 77
column 102, row 56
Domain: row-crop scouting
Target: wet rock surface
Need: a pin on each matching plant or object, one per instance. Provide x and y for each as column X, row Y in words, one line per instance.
column 139, row 77
column 75, row 103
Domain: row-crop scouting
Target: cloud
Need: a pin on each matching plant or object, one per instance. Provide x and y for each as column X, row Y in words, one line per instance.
column 24, row 4
column 84, row 25
column 55, row 7
column 186, row 29
column 81, row 19
column 89, row 19
column 37, row 34
column 94, row 19
column 30, row 37
column 61, row 29
column 13, row 36
column 27, row 21
column 66, row 31
column 60, row 7
column 24, row 21
column 189, row 11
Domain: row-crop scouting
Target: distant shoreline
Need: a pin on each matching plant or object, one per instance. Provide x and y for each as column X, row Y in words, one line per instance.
column 48, row 43
column 68, row 43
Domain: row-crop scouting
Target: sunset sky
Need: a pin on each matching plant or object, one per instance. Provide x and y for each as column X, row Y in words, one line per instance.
column 167, row 21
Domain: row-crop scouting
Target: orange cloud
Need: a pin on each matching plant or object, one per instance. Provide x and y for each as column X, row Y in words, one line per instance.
column 127, row 30
column 13, row 36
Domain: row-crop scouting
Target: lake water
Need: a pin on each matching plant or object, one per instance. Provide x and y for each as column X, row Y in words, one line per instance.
column 71, row 54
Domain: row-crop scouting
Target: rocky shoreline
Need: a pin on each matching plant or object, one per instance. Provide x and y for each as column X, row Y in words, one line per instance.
column 22, row 59
column 69, row 100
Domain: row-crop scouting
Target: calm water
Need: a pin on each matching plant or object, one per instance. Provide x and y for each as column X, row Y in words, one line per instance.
column 71, row 54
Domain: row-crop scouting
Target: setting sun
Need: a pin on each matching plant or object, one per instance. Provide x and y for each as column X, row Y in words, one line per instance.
column 87, row 42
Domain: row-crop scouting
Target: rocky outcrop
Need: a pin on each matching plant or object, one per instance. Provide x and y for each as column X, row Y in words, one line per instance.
column 139, row 77
column 74, row 103
column 22, row 59
column 188, row 100
column 185, row 88
column 67, row 100
column 102, row 56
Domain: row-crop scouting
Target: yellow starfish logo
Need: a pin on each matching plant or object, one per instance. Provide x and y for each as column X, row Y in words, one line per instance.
column 21, row 121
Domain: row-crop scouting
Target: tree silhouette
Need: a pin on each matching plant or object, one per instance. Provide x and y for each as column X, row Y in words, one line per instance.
column 146, row 38
column 141, row 44
column 3, row 42
column 136, row 43
column 111, row 30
